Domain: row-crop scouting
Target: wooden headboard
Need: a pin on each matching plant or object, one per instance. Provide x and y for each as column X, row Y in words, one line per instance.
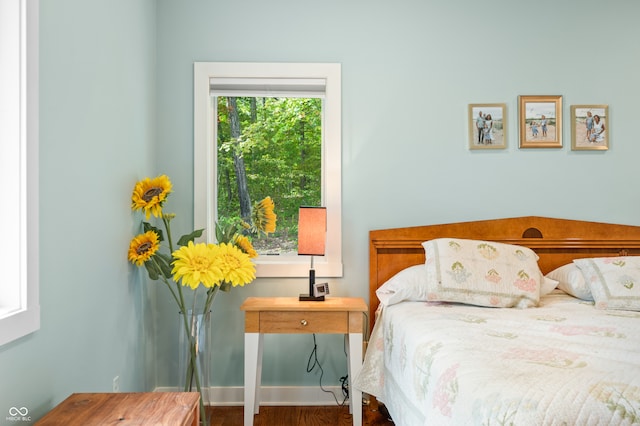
column 556, row 241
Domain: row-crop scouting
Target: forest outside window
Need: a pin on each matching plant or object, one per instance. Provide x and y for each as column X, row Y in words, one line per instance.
column 269, row 130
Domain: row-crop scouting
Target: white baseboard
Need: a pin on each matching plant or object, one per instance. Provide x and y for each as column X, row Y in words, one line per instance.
column 272, row 395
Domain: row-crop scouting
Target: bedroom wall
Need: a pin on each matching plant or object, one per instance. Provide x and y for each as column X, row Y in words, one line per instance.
column 409, row 70
column 97, row 133
column 116, row 105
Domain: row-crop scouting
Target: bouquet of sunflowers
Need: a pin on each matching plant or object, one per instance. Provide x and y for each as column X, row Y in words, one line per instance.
column 202, row 267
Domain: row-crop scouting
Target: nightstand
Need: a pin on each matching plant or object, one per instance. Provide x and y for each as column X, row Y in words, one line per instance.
column 336, row 315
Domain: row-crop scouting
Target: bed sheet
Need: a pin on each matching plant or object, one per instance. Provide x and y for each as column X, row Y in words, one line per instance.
column 562, row 363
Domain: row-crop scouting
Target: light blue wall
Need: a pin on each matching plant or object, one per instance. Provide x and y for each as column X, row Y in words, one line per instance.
column 409, row 70
column 116, row 105
column 97, row 134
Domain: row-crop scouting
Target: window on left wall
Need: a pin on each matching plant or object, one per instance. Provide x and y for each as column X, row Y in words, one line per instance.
column 19, row 292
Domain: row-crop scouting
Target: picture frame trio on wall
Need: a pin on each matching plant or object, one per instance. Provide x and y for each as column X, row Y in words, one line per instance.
column 539, row 123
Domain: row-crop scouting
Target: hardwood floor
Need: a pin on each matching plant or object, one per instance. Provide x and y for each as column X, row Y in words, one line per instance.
column 297, row 416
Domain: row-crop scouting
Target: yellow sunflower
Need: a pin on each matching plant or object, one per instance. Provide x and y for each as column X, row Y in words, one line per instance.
column 244, row 244
column 150, row 194
column 264, row 219
column 195, row 264
column 236, row 266
column 142, row 247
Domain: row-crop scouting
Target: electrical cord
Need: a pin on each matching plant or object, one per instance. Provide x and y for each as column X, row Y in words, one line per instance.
column 344, row 380
column 345, row 387
column 313, row 361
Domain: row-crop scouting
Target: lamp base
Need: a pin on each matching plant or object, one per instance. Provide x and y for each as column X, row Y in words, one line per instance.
column 310, row 298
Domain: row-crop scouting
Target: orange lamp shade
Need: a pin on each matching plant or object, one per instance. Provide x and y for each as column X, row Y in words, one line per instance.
column 312, row 230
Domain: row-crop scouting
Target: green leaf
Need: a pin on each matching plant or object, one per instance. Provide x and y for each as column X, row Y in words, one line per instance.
column 219, row 233
column 152, row 270
column 184, row 240
column 226, row 232
column 149, row 227
column 164, row 261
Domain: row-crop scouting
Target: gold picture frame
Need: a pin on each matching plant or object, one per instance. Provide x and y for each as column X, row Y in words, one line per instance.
column 487, row 126
column 590, row 127
column 540, row 121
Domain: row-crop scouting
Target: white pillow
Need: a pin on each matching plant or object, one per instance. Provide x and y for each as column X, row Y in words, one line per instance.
column 482, row 273
column 548, row 285
column 614, row 281
column 410, row 284
column 571, row 281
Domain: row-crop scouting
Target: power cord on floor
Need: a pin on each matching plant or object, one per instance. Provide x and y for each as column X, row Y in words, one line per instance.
column 313, row 362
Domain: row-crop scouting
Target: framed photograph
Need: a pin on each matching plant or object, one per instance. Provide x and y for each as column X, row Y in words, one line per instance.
column 589, row 127
column 487, row 126
column 540, row 121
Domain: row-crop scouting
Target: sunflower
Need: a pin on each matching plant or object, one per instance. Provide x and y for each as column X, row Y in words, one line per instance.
column 150, row 194
column 264, row 219
column 195, row 264
column 244, row 244
column 236, row 266
column 142, row 247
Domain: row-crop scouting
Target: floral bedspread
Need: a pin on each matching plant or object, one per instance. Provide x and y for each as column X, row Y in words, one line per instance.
column 563, row 363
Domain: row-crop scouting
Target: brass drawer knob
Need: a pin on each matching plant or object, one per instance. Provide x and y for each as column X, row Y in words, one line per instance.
column 304, row 322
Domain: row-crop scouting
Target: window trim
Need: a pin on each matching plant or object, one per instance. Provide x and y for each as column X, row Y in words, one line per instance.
column 24, row 318
column 205, row 164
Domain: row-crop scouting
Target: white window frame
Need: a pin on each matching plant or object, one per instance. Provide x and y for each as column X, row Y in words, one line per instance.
column 19, row 291
column 245, row 74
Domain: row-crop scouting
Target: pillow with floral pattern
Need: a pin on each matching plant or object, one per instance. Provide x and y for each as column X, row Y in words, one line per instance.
column 482, row 273
column 614, row 281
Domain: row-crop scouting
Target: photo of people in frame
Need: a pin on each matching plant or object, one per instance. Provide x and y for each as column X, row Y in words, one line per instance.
column 590, row 127
column 540, row 121
column 487, row 126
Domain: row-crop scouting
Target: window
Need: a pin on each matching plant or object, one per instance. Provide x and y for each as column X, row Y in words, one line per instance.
column 19, row 305
column 268, row 146
column 304, row 82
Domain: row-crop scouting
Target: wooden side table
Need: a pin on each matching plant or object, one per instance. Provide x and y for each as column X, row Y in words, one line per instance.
column 336, row 315
column 143, row 408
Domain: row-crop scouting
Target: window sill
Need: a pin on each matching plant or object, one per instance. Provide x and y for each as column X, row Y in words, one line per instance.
column 16, row 324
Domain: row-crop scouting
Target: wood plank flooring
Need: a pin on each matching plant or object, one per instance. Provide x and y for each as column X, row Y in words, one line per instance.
column 298, row 416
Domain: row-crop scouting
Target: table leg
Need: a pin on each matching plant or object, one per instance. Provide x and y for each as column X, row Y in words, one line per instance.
column 252, row 375
column 355, row 365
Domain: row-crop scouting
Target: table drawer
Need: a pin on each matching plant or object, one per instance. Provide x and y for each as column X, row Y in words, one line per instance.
column 304, row 322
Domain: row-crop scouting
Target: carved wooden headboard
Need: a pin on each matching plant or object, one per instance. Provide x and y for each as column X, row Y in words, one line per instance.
column 556, row 241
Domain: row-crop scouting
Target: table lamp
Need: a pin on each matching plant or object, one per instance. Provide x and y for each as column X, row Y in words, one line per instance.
column 312, row 235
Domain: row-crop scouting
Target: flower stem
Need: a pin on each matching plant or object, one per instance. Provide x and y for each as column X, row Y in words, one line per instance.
column 211, row 296
column 166, row 281
column 189, row 322
column 167, row 227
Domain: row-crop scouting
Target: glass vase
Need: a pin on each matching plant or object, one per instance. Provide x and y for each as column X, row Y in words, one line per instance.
column 194, row 358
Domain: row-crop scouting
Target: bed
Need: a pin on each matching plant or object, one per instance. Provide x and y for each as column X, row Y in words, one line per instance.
column 563, row 348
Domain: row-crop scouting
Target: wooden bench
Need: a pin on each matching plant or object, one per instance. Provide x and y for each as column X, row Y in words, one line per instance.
column 127, row 409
